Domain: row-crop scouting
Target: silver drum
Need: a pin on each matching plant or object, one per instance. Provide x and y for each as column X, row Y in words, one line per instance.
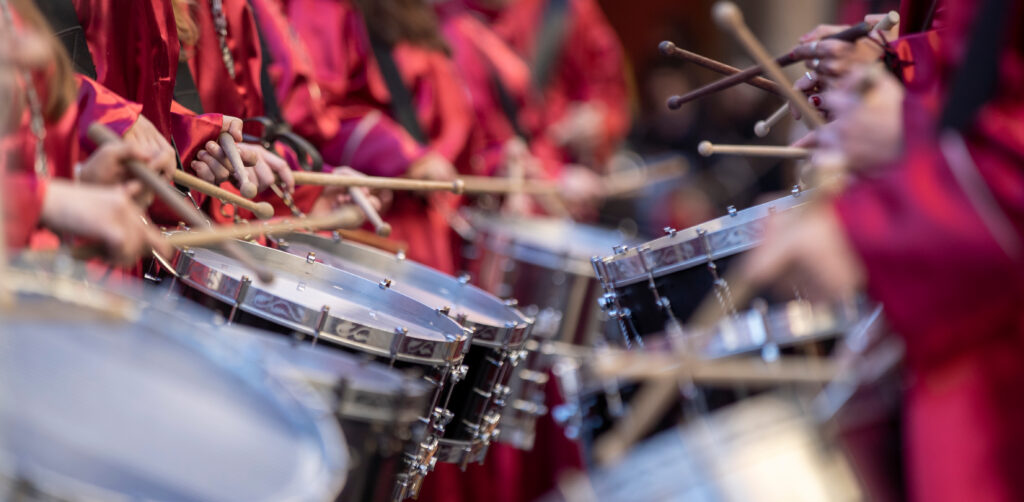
column 543, row 263
column 325, row 305
column 101, row 399
column 499, row 334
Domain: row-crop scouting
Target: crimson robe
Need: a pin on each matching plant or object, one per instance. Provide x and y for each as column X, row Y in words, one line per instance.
column 589, row 66
column 350, row 78
column 941, row 238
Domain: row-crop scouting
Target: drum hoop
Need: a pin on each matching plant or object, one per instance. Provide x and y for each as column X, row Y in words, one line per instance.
column 725, row 236
column 334, row 329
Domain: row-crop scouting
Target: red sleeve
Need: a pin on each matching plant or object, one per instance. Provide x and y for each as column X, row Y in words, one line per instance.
column 23, row 207
column 96, row 103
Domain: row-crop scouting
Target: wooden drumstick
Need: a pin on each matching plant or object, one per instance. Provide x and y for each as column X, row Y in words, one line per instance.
column 707, row 149
column 262, row 210
column 763, row 127
column 850, row 34
column 670, row 49
column 245, row 186
column 345, row 217
column 891, row 19
column 376, row 182
column 729, row 17
column 382, row 228
column 101, row 134
column 485, row 184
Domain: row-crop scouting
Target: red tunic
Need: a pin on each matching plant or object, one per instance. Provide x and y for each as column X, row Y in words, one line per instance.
column 350, row 78
column 956, row 214
column 588, row 68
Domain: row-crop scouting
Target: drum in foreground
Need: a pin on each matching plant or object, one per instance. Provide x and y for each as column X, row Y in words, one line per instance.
column 102, row 400
column 766, row 449
column 499, row 333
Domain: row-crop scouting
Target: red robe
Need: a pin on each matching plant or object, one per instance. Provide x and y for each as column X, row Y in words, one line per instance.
column 965, row 338
column 588, row 68
column 350, row 79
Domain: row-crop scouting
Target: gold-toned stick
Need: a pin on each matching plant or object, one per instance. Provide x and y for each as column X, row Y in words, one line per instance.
column 729, row 17
column 345, row 217
column 382, row 228
column 262, row 210
column 376, row 182
column 707, row 149
column 670, row 49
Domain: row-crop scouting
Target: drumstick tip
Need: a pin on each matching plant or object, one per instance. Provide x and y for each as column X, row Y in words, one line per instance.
column 705, row 148
column 727, row 14
column 761, row 129
column 666, row 47
column 674, row 102
column 384, row 230
column 263, row 210
column 458, row 187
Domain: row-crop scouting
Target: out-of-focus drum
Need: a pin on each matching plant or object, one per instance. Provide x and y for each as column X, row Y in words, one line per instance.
column 333, row 307
column 499, row 333
column 648, row 285
column 544, row 264
column 102, row 400
column 378, row 407
column 766, row 449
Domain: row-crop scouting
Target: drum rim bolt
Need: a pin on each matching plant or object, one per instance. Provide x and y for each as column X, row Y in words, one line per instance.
column 671, row 232
column 444, row 310
column 797, row 190
column 311, row 257
column 385, row 284
column 463, row 278
column 731, row 210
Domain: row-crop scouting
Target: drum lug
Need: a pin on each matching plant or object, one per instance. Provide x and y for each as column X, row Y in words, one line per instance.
column 243, row 288
column 501, row 393
column 311, row 257
column 400, row 333
column 669, row 231
column 731, row 210
column 321, row 322
column 511, row 302
column 385, row 283
column 459, row 372
column 621, row 249
column 796, row 191
column 400, row 255
column 463, row 278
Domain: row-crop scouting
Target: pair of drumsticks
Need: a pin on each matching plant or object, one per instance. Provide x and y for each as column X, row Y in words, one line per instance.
column 751, row 76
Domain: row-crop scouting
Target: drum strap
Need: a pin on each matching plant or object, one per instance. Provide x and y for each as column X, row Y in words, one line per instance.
column 401, row 98
column 271, row 107
column 975, row 81
column 63, row 19
column 550, row 40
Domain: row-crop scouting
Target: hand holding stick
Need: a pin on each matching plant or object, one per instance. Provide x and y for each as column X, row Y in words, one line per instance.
column 101, row 134
column 245, row 186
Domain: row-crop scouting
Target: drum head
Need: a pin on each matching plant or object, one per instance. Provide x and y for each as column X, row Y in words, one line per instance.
column 421, row 283
column 99, row 408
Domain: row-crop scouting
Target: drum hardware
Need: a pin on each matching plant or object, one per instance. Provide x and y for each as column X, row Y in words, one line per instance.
column 609, row 304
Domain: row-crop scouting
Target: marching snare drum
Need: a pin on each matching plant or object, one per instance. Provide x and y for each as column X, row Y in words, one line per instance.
column 330, row 306
column 667, row 278
column 544, row 264
column 102, row 400
column 499, row 333
column 378, row 407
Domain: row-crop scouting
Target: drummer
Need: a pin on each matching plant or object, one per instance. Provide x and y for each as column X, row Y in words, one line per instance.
column 942, row 204
column 39, row 191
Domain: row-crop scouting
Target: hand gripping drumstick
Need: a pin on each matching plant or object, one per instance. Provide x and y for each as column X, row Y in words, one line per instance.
column 850, row 34
column 382, row 228
column 670, row 49
column 101, row 134
column 763, row 127
column 262, row 210
column 729, row 17
column 245, row 186
column 707, row 149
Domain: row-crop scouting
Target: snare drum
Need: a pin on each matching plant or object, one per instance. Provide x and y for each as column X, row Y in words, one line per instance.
column 544, row 263
column 378, row 407
column 332, row 307
column 102, row 400
column 667, row 278
column 499, row 333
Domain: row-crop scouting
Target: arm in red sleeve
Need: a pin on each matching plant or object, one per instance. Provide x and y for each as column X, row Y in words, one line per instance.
column 96, row 103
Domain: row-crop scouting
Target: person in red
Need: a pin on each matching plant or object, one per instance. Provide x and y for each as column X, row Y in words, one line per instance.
column 577, row 72
column 337, row 33
column 37, row 75
column 936, row 233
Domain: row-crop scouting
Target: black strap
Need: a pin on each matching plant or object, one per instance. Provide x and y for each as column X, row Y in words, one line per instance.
column 401, row 99
column 185, row 91
column 63, row 19
column 976, row 79
column 550, row 40
column 271, row 107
